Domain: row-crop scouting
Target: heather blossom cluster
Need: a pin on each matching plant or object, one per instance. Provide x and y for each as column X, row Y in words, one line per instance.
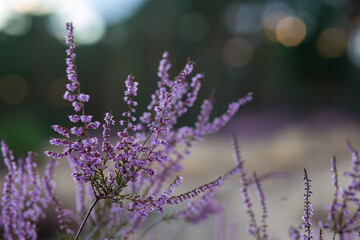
column 131, row 172
column 23, row 201
column 121, row 178
column 342, row 219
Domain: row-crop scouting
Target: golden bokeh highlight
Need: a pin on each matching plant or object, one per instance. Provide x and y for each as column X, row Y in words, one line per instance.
column 332, row 42
column 37, row 7
column 13, row 89
column 269, row 25
column 290, row 31
column 238, row 52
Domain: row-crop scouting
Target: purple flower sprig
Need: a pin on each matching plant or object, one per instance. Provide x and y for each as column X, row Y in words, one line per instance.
column 10, row 192
column 335, row 203
column 73, row 93
column 23, row 202
column 263, row 205
column 144, row 206
column 132, row 171
column 200, row 209
column 253, row 228
column 258, row 230
column 308, row 209
column 195, row 192
column 83, row 144
column 49, row 189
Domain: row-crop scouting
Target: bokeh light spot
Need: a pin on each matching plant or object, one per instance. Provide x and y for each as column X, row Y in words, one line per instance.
column 332, row 42
column 5, row 14
column 243, row 18
column 114, row 11
column 238, row 52
column 269, row 25
column 13, row 89
column 90, row 27
column 18, row 25
column 33, row 7
column 290, row 31
column 277, row 6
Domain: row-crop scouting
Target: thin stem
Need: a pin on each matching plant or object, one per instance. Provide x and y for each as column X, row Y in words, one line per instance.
column 320, row 235
column 86, row 217
column 148, row 137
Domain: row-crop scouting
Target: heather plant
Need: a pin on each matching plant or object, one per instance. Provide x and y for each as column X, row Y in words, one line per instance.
column 22, row 202
column 129, row 174
column 121, row 179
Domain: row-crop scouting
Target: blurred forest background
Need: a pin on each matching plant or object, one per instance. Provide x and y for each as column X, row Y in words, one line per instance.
column 300, row 58
column 297, row 57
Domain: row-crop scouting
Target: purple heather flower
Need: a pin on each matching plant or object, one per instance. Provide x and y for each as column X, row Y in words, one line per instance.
column 308, row 210
column 83, row 97
column 93, row 125
column 340, row 209
column 334, row 205
column 253, row 228
column 195, row 192
column 164, row 67
column 344, row 197
column 61, row 130
column 80, row 186
column 22, row 201
column 72, row 86
column 36, row 202
column 49, row 187
column 86, row 118
column 107, row 147
column 74, row 118
column 70, row 61
column 68, row 96
column 263, row 205
column 199, row 210
column 10, row 193
column 294, row 234
column 130, row 92
column 77, row 106
column 195, row 85
column 78, row 131
column 178, row 180
column 221, row 121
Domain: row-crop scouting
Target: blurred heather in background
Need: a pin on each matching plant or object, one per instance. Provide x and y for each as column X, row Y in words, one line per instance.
column 300, row 58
